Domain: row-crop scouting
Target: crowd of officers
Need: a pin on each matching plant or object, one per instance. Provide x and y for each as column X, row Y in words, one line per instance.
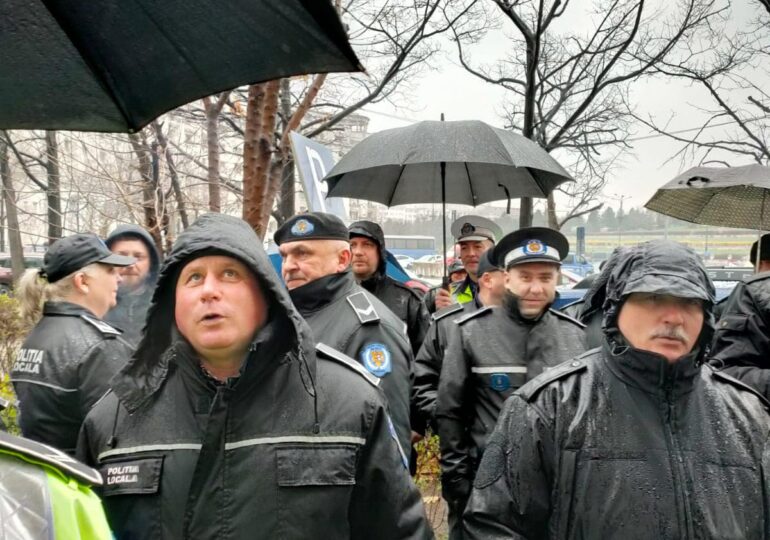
column 215, row 399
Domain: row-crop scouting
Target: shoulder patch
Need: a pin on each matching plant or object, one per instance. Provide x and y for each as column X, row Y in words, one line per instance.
column 530, row 390
column 102, row 326
column 443, row 312
column 363, row 308
column 46, row 455
column 479, row 312
column 333, row 354
column 724, row 377
column 566, row 317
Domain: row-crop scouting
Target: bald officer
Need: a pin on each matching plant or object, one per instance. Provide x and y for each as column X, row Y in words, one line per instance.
column 495, row 350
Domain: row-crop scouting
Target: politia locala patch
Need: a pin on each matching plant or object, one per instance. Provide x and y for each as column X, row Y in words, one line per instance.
column 377, row 359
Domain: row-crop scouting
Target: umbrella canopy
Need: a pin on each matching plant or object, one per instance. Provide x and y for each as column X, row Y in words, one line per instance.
column 482, row 164
column 115, row 65
column 728, row 197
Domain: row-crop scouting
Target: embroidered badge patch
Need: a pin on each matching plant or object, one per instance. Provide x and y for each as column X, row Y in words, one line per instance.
column 467, row 228
column 500, row 382
column 534, row 247
column 302, row 227
column 376, row 359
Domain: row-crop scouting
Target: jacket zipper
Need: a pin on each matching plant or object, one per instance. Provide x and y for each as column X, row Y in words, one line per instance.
column 677, row 465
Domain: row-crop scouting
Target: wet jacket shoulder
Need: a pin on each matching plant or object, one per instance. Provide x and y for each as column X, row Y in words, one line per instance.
column 348, row 318
column 430, row 357
column 63, row 367
column 405, row 303
column 592, row 426
column 741, row 344
column 299, row 442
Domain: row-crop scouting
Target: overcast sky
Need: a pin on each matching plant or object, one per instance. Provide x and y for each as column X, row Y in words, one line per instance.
column 449, row 89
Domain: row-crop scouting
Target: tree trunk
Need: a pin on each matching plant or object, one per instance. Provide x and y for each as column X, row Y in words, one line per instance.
column 286, row 196
column 173, row 175
column 9, row 197
column 2, row 225
column 212, row 142
column 553, row 221
column 143, row 154
column 53, row 193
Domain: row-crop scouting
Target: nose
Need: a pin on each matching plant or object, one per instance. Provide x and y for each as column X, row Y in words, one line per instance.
column 672, row 314
column 210, row 288
column 536, row 288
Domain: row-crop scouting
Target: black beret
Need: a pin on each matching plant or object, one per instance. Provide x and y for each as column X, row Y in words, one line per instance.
column 531, row 244
column 311, row 226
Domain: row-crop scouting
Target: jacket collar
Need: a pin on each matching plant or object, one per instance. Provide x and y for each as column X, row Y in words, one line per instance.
column 652, row 372
column 317, row 294
column 67, row 309
column 373, row 283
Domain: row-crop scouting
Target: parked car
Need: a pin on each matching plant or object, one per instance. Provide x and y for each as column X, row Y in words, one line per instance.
column 577, row 264
column 404, row 260
column 31, row 260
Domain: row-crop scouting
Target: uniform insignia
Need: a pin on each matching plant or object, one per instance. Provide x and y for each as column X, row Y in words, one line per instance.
column 29, row 361
column 533, row 247
column 345, row 360
column 302, row 227
column 530, row 390
column 500, row 382
column 467, row 228
column 132, row 477
column 454, row 308
column 566, row 317
column 102, row 326
column 394, row 435
column 363, row 307
column 376, row 358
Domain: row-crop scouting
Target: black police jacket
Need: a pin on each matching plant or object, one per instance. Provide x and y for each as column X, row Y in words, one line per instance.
column 63, row 367
column 626, row 445
column 404, row 302
column 299, row 445
column 350, row 319
column 741, row 344
column 427, row 363
column 493, row 353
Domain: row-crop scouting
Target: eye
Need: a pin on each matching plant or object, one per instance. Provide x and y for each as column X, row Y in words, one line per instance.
column 194, row 277
column 230, row 273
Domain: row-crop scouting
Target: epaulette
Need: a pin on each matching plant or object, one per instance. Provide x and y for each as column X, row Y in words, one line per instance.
column 363, row 307
column 724, row 377
column 757, row 277
column 566, row 317
column 443, row 312
column 563, row 370
column 472, row 315
column 40, row 453
column 573, row 303
column 333, row 354
column 102, row 326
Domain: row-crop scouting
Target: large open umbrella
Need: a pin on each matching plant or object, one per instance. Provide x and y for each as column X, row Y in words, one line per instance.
column 115, row 65
column 460, row 162
column 721, row 196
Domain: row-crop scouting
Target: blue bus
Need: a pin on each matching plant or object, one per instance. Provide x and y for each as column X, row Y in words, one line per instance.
column 411, row 245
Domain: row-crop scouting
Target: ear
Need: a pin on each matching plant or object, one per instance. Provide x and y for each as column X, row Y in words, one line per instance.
column 79, row 281
column 343, row 258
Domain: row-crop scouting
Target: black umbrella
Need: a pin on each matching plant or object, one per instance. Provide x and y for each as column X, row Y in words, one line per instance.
column 721, row 196
column 460, row 162
column 115, row 65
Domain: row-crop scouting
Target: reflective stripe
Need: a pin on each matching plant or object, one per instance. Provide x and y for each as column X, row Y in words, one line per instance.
column 149, row 448
column 500, row 369
column 329, row 439
column 49, row 385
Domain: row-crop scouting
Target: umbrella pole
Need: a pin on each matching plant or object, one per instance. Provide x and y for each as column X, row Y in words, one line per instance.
column 759, row 234
column 442, row 165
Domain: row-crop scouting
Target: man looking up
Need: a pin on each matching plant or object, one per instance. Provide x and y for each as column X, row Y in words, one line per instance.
column 316, row 258
column 637, row 439
column 474, row 235
column 495, row 350
column 367, row 246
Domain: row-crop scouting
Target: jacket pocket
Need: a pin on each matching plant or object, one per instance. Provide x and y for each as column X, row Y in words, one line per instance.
column 315, row 482
column 735, row 323
column 131, row 496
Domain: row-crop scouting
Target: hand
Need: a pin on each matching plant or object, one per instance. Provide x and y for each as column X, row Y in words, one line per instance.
column 416, row 437
column 443, row 299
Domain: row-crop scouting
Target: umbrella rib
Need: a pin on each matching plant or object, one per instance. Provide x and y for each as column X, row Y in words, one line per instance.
column 470, row 183
column 395, row 184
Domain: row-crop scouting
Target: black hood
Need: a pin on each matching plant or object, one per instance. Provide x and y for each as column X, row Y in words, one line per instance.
column 661, row 267
column 593, row 300
column 135, row 232
column 372, row 231
column 210, row 234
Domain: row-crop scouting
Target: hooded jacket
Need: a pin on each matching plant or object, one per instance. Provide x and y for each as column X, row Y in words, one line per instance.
column 622, row 443
column 492, row 353
column 399, row 298
column 741, row 344
column 130, row 311
column 348, row 318
column 298, row 445
column 63, row 367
